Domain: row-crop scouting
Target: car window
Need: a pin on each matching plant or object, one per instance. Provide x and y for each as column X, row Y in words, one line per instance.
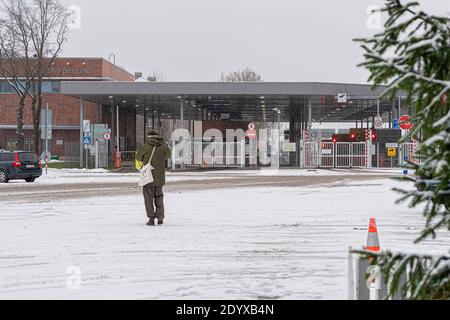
column 7, row 157
column 28, row 157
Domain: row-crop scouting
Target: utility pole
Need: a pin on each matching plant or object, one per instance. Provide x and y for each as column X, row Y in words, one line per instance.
column 118, row 137
column 117, row 130
column 378, row 106
column 81, row 130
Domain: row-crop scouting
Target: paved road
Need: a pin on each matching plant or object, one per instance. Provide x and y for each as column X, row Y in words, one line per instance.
column 43, row 193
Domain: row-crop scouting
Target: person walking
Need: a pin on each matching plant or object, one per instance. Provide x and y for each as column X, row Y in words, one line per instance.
column 153, row 192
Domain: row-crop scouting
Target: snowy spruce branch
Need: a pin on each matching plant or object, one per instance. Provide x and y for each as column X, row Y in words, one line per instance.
column 412, row 56
column 428, row 276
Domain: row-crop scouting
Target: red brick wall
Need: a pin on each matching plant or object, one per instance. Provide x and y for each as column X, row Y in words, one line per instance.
column 112, row 71
column 64, row 135
column 76, row 67
column 66, row 110
column 85, row 68
column 79, row 67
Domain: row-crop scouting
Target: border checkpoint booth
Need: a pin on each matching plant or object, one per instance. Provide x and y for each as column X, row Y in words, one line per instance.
column 288, row 110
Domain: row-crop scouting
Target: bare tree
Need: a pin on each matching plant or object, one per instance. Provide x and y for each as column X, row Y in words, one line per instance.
column 157, row 76
column 14, row 57
column 32, row 33
column 244, row 75
column 47, row 23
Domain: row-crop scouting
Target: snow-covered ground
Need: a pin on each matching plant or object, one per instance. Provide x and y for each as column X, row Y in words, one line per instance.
column 75, row 176
column 282, row 243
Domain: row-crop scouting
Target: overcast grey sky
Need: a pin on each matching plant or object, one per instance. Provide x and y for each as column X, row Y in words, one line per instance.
column 196, row 40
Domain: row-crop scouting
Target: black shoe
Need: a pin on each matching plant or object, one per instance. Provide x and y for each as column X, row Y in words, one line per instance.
column 160, row 222
column 151, row 222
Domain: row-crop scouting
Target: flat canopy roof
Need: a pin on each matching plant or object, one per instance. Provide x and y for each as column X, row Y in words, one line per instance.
column 252, row 101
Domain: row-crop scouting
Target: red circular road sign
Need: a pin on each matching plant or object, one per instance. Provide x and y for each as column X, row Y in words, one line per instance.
column 405, row 122
column 107, row 136
column 251, row 132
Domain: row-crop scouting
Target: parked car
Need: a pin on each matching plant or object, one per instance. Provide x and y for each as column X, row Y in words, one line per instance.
column 18, row 165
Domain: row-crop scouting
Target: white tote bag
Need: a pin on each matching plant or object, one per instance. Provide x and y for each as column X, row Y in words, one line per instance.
column 145, row 174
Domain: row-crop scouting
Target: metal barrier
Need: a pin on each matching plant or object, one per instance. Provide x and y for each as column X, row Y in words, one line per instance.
column 100, row 155
column 335, row 155
column 94, row 156
column 327, row 155
column 343, row 155
column 409, row 151
column 127, row 155
column 310, row 155
column 209, row 154
column 71, row 154
column 360, row 154
column 221, row 154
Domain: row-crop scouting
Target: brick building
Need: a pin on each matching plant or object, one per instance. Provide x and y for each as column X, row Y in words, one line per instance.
column 66, row 109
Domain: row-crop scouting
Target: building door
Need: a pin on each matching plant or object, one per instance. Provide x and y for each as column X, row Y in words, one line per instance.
column 11, row 144
column 28, row 145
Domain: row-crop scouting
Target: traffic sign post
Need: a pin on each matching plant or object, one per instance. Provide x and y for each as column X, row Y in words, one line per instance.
column 395, row 124
column 107, row 136
column 392, row 152
column 405, row 122
column 251, row 132
column 86, row 140
column 87, row 143
column 46, row 134
column 392, row 145
column 46, row 124
column 86, row 126
column 378, row 123
column 342, row 98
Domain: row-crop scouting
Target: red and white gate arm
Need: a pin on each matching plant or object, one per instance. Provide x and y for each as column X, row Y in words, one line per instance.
column 369, row 154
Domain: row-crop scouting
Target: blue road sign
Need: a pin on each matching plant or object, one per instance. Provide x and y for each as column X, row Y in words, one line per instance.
column 87, row 140
column 396, row 124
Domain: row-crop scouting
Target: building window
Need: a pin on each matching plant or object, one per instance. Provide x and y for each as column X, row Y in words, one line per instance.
column 47, row 87
column 56, row 86
column 6, row 87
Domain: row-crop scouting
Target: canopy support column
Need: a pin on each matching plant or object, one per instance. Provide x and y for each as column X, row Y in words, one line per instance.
column 81, row 130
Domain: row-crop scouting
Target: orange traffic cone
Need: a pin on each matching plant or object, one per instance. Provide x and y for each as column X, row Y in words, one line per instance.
column 373, row 243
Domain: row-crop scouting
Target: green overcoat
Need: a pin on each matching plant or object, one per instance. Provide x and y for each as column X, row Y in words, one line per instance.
column 162, row 153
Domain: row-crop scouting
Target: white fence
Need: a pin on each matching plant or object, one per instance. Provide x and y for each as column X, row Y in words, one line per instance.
column 409, row 151
column 360, row 155
column 327, row 155
column 336, row 155
column 310, row 155
column 210, row 154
